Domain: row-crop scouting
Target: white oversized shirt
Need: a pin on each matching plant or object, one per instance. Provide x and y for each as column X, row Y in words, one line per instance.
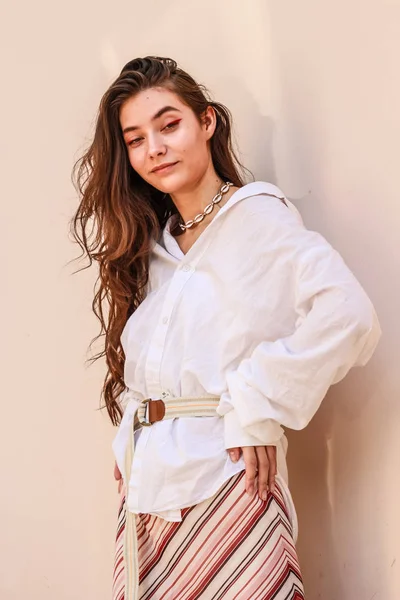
column 260, row 312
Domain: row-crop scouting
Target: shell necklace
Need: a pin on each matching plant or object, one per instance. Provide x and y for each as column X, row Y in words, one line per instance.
column 208, row 209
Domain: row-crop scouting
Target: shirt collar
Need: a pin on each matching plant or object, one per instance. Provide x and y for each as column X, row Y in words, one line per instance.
column 169, row 243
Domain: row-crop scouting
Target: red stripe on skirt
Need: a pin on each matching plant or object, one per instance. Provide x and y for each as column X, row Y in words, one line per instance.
column 229, row 546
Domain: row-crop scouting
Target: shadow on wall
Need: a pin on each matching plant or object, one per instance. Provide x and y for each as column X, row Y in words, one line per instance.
column 308, row 449
column 253, row 130
column 328, row 466
column 308, row 458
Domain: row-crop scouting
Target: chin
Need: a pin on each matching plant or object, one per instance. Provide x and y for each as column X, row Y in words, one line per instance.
column 171, row 184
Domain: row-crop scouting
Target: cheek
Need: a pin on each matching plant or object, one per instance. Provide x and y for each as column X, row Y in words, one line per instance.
column 186, row 139
column 137, row 160
column 193, row 148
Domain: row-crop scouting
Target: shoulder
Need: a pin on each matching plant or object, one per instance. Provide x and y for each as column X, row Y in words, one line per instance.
column 266, row 224
column 264, row 206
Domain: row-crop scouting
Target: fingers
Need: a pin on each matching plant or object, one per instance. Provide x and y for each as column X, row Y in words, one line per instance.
column 251, row 462
column 118, row 477
column 260, row 463
column 273, row 469
column 234, row 453
column 117, row 472
column 263, row 472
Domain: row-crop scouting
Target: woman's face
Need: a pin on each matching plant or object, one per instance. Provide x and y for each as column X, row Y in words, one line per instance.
column 159, row 129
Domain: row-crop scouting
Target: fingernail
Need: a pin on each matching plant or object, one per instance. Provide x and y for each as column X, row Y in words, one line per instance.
column 264, row 495
column 250, row 490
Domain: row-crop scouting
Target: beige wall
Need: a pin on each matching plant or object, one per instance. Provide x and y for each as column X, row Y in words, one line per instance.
column 337, row 126
column 314, row 87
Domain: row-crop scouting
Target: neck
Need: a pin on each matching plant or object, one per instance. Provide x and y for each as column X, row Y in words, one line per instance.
column 192, row 200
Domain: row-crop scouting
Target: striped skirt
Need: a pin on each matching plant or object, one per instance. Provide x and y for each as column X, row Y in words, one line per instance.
column 230, row 546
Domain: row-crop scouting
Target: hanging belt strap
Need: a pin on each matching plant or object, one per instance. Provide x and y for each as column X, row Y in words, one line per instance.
column 150, row 411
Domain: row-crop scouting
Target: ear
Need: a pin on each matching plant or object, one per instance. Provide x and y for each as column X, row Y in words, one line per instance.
column 209, row 122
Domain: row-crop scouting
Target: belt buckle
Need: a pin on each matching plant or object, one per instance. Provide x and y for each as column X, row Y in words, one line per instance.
column 147, row 422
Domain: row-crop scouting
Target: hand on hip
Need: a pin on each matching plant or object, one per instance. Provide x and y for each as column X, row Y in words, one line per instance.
column 260, row 463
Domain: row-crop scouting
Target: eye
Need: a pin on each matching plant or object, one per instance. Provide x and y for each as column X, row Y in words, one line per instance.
column 172, row 125
column 135, row 142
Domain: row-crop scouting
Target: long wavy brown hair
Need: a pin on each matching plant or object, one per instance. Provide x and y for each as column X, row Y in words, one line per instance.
column 120, row 214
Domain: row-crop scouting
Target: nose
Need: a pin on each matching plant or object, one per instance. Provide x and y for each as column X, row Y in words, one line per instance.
column 156, row 146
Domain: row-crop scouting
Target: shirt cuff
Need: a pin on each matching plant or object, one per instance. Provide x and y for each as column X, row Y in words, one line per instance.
column 263, row 433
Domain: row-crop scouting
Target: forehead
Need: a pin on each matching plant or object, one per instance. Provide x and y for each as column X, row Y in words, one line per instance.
column 140, row 109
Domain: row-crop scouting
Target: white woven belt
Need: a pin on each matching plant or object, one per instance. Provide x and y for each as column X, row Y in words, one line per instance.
column 170, row 408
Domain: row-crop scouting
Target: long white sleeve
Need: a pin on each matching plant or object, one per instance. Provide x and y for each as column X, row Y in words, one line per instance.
column 284, row 381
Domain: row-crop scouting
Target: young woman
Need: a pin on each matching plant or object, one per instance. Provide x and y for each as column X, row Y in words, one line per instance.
column 224, row 320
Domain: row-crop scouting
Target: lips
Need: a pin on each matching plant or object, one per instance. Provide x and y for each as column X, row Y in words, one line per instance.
column 164, row 168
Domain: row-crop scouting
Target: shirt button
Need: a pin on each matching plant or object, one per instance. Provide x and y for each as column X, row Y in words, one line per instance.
column 186, row 268
column 165, row 320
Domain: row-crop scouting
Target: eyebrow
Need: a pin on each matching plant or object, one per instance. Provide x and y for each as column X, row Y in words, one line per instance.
column 154, row 118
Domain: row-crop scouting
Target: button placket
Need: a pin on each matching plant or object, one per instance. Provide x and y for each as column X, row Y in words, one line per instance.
column 157, row 344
